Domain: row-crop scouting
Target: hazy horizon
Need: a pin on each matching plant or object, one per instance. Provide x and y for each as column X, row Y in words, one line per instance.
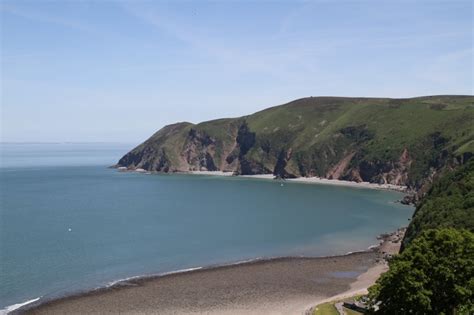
column 119, row 71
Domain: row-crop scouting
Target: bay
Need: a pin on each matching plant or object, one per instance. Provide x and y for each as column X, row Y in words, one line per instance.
column 69, row 223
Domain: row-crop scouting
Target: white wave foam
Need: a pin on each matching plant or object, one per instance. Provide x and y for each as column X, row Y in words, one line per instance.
column 240, row 262
column 112, row 283
column 180, row 271
column 13, row 307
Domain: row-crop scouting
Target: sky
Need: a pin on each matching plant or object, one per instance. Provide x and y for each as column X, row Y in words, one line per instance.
column 117, row 71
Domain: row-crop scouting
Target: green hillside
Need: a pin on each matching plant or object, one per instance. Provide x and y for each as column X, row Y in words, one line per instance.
column 449, row 203
column 396, row 141
column 434, row 272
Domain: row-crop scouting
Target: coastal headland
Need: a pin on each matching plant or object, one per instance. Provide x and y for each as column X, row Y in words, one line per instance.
column 333, row 140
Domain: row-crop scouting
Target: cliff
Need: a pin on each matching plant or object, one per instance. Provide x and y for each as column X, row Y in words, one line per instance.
column 380, row 140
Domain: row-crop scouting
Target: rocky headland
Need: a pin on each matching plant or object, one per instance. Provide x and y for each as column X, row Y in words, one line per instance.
column 398, row 142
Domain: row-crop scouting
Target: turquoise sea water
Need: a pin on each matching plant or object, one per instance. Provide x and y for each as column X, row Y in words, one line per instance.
column 69, row 223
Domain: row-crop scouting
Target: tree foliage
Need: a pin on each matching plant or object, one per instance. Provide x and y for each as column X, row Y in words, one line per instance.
column 434, row 275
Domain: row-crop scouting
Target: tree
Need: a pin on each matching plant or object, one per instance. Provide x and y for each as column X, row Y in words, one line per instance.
column 433, row 275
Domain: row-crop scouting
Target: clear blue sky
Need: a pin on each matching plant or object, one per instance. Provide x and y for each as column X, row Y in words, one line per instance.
column 118, row 71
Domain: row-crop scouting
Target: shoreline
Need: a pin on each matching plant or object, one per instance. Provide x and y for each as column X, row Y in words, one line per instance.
column 19, row 308
column 55, row 305
column 374, row 254
column 302, row 180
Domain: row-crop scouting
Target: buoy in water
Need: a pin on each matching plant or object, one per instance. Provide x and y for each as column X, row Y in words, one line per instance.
column 69, row 230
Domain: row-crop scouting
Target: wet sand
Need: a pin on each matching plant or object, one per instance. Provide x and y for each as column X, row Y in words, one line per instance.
column 278, row 286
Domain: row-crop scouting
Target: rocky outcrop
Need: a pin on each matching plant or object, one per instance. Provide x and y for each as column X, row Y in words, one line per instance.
column 149, row 159
column 244, row 141
column 338, row 170
column 280, row 167
column 199, row 151
column 386, row 172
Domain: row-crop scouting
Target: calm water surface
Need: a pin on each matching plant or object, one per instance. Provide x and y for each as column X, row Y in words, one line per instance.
column 69, row 223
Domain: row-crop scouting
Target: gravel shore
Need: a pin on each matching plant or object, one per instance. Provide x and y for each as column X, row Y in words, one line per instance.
column 288, row 285
column 277, row 286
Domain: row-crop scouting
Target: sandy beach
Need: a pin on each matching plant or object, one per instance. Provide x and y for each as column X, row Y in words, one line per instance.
column 310, row 180
column 291, row 285
column 304, row 180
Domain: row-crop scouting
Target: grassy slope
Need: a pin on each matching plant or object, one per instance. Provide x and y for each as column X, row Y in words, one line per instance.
column 310, row 125
column 329, row 308
column 326, row 309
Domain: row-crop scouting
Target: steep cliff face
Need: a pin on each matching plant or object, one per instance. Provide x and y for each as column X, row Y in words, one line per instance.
column 394, row 141
column 244, row 141
column 199, row 151
column 382, row 172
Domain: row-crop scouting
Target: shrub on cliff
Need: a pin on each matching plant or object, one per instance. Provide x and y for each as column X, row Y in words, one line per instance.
column 434, row 275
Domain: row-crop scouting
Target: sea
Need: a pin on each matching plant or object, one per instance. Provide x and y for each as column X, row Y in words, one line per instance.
column 69, row 223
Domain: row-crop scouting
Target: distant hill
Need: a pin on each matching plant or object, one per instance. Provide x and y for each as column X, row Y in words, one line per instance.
column 380, row 140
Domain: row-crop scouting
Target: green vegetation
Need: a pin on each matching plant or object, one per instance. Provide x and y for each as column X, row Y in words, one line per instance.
column 434, row 275
column 329, row 308
column 399, row 141
column 449, row 203
column 326, row 309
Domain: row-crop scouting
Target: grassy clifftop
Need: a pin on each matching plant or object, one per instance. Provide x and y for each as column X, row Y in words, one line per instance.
column 397, row 141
